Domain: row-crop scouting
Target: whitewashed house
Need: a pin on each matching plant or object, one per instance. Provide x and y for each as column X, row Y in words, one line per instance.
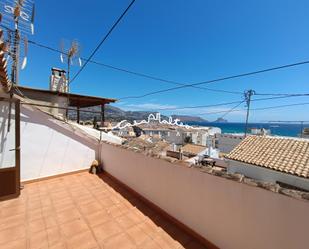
column 279, row 160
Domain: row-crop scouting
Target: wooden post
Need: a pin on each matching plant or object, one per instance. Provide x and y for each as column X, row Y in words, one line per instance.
column 102, row 114
column 78, row 114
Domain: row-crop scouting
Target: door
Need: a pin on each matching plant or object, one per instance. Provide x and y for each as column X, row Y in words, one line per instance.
column 9, row 148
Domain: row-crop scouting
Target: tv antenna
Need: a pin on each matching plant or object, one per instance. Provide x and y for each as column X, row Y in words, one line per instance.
column 71, row 56
column 18, row 20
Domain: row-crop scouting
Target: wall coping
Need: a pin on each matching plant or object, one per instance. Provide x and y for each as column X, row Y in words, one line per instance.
column 273, row 187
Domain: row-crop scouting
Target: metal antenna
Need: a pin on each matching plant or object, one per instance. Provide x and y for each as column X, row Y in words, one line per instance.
column 72, row 55
column 248, row 94
column 16, row 14
column 19, row 17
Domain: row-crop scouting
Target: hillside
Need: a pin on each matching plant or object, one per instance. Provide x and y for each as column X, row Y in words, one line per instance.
column 113, row 113
column 186, row 118
column 221, row 120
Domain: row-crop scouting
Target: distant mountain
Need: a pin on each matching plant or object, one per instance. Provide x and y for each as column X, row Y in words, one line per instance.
column 113, row 113
column 186, row 118
column 221, row 120
column 116, row 114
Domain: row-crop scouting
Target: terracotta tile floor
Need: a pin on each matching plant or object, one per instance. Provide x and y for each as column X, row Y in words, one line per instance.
column 85, row 211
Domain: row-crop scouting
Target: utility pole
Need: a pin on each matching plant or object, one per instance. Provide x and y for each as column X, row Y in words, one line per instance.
column 301, row 128
column 248, row 94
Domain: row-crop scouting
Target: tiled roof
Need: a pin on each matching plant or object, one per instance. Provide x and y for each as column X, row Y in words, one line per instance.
column 156, row 145
column 288, row 155
column 193, row 148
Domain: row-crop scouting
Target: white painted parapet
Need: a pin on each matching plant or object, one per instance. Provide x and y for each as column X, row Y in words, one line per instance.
column 230, row 214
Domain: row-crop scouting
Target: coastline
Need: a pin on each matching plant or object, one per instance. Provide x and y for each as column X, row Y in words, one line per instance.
column 279, row 129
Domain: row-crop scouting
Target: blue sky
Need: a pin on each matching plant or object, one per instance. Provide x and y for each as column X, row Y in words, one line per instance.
column 185, row 41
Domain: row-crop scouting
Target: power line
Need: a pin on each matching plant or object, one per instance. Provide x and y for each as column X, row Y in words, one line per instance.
column 175, row 82
column 255, row 109
column 218, row 112
column 147, row 76
column 154, row 77
column 283, row 97
column 279, row 106
column 228, row 103
column 287, row 121
column 181, row 85
column 103, row 40
column 274, row 94
column 198, row 106
column 233, row 108
column 217, row 80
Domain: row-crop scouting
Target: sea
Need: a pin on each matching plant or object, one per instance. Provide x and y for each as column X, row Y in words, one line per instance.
column 279, row 129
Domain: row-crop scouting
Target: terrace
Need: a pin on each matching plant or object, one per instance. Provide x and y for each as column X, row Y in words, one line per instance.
column 141, row 201
column 86, row 211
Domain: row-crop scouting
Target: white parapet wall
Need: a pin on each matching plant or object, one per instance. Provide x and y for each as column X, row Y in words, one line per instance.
column 229, row 214
column 48, row 146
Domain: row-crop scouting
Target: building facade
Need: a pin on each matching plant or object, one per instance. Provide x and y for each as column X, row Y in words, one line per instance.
column 281, row 160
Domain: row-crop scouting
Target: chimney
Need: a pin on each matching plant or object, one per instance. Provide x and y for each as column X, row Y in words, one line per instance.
column 58, row 81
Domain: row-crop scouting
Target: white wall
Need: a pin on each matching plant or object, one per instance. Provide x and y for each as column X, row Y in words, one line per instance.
column 227, row 142
column 267, row 175
column 231, row 215
column 51, row 147
column 43, row 98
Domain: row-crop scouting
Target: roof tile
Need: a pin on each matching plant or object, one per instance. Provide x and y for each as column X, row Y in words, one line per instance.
column 288, row 155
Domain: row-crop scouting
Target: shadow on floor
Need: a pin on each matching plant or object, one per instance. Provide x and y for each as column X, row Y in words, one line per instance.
column 172, row 229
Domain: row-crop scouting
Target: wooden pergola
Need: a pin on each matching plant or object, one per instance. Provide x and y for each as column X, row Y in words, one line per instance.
column 74, row 100
column 81, row 101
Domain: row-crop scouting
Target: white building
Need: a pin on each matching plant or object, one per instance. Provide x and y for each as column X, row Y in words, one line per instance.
column 260, row 131
column 205, row 136
column 272, row 159
column 228, row 141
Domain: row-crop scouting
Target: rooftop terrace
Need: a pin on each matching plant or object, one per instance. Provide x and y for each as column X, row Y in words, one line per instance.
column 166, row 204
column 85, row 211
